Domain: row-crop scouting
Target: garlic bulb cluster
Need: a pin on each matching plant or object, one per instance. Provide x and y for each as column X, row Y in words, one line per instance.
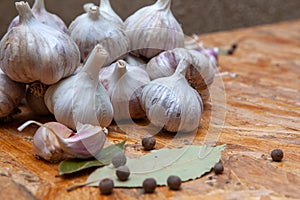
column 170, row 102
column 124, row 84
column 55, row 142
column 33, row 51
column 40, row 13
column 81, row 98
column 200, row 74
column 11, row 94
column 153, row 29
column 93, row 28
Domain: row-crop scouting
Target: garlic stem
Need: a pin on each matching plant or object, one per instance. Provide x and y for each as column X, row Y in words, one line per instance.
column 39, row 6
column 120, row 69
column 182, row 67
column 94, row 12
column 95, row 61
column 163, row 4
column 87, row 6
column 25, row 12
column 21, row 128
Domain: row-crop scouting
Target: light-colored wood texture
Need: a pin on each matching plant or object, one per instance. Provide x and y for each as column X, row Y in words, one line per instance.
column 262, row 113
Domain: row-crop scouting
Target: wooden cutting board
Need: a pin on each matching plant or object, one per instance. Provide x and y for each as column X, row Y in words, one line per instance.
column 262, row 87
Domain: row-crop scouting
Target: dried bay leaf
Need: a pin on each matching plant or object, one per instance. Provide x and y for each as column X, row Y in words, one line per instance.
column 104, row 158
column 188, row 162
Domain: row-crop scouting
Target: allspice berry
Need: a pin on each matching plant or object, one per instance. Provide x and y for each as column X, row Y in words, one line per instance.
column 149, row 185
column 148, row 142
column 119, row 159
column 106, row 186
column 277, row 155
column 218, row 168
column 123, row 173
column 174, row 182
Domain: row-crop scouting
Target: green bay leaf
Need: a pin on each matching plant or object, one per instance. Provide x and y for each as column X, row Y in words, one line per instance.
column 189, row 162
column 102, row 159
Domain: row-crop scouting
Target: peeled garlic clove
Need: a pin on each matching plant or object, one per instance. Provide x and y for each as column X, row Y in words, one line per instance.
column 81, row 98
column 40, row 12
column 124, row 84
column 93, row 28
column 153, row 29
column 11, row 94
column 200, row 74
column 33, row 51
column 170, row 102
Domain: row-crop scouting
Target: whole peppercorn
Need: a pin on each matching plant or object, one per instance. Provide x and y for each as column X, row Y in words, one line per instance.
column 106, row 186
column 174, row 182
column 119, row 159
column 122, row 173
column 149, row 185
column 218, row 168
column 148, row 142
column 277, row 155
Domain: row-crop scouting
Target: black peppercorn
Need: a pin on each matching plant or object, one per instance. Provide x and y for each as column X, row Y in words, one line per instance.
column 174, row 182
column 149, row 185
column 277, row 155
column 106, row 186
column 148, row 142
column 218, row 168
column 122, row 173
column 119, row 159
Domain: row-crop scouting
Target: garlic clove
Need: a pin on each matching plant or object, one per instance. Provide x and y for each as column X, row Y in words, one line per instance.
column 153, row 29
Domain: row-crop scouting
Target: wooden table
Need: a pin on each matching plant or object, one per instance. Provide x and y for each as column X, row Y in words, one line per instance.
column 262, row 82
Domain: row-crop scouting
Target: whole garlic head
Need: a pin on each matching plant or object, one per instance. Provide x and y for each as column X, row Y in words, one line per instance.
column 153, row 29
column 33, row 51
column 170, row 102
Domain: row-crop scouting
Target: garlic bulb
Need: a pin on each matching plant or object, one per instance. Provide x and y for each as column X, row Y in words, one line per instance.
column 106, row 11
column 200, row 74
column 35, row 98
column 40, row 13
column 81, row 98
column 55, row 142
column 136, row 61
column 33, row 51
column 11, row 94
column 153, row 29
column 92, row 28
column 124, row 85
column 171, row 103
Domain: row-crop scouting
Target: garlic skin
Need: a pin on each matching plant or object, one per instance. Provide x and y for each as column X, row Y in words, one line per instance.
column 40, row 13
column 136, row 61
column 200, row 74
column 11, row 94
column 33, row 51
column 93, row 28
column 81, row 98
column 171, row 103
column 124, row 84
column 153, row 29
column 55, row 142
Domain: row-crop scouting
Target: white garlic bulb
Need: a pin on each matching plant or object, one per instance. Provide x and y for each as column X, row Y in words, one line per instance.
column 55, row 142
column 200, row 74
column 136, row 61
column 92, row 28
column 11, row 94
column 170, row 102
column 40, row 12
column 81, row 98
column 153, row 29
column 124, row 84
column 33, row 51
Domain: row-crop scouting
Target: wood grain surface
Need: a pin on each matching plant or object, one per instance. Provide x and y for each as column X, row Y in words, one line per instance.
column 262, row 88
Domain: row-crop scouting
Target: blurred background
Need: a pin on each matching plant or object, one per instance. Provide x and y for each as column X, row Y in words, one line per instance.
column 196, row 16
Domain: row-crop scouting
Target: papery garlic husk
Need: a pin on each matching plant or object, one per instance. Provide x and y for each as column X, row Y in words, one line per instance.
column 153, row 29
column 11, row 94
column 40, row 13
column 171, row 103
column 200, row 74
column 35, row 98
column 92, row 28
column 55, row 142
column 81, row 98
column 106, row 11
column 124, row 85
column 33, row 51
